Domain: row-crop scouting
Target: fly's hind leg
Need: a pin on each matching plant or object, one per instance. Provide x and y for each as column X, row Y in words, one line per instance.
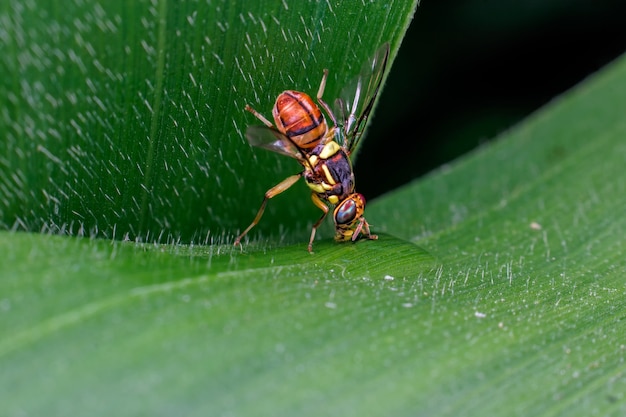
column 319, row 203
column 272, row 192
column 325, row 106
column 259, row 116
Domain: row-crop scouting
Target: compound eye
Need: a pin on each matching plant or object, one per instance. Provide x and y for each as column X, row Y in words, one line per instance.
column 346, row 212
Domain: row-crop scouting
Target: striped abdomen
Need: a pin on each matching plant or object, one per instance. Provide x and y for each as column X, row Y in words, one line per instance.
column 299, row 118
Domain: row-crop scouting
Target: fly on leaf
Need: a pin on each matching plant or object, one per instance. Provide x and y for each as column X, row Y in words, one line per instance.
column 300, row 131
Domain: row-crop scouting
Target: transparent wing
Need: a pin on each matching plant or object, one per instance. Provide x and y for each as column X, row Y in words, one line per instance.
column 356, row 100
column 271, row 139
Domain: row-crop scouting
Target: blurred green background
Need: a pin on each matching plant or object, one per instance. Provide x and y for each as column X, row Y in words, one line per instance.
column 469, row 69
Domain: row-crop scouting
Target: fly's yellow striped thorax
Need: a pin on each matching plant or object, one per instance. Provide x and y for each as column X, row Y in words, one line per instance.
column 328, row 151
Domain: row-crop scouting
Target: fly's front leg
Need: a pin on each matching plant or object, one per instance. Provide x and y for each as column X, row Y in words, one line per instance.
column 319, row 203
column 272, row 192
column 365, row 227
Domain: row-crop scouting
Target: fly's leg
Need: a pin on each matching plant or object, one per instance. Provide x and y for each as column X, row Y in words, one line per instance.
column 259, row 116
column 322, row 103
column 319, row 203
column 272, row 192
column 365, row 227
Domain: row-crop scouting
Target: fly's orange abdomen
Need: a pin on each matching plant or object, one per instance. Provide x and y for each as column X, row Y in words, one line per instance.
column 299, row 118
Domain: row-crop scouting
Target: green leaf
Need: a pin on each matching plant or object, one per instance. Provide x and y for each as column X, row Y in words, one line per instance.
column 99, row 327
column 126, row 119
column 530, row 231
column 522, row 314
column 518, row 311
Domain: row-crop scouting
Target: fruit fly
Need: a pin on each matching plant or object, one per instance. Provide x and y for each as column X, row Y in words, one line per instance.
column 302, row 132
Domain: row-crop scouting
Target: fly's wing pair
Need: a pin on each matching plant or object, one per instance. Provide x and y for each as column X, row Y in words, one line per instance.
column 356, row 100
column 352, row 109
column 271, row 139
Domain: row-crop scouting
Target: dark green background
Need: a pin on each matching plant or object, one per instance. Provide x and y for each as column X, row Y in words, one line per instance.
column 469, row 69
